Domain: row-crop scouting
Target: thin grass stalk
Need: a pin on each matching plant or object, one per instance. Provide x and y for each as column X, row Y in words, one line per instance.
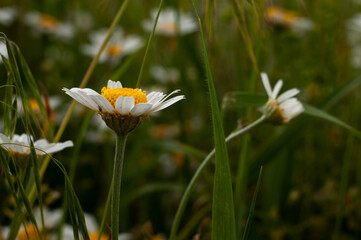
column 101, row 227
column 148, row 44
column 116, row 182
column 197, row 174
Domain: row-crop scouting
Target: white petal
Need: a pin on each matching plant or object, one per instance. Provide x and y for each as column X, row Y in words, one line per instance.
column 141, row 108
column 157, row 103
column 81, row 98
column 113, row 84
column 123, row 105
column 277, row 89
column 168, row 103
column 103, row 103
column 266, row 84
column 155, row 97
column 288, row 94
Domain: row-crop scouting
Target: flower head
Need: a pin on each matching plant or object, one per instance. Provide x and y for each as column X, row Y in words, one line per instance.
column 19, row 146
column 280, row 109
column 8, row 15
column 169, row 23
column 279, row 17
column 117, row 47
column 122, row 109
column 47, row 24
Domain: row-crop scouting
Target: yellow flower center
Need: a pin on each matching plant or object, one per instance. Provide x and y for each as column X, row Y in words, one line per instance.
column 115, row 49
column 30, row 233
column 94, row 236
column 48, row 22
column 170, row 27
column 112, row 94
column 276, row 13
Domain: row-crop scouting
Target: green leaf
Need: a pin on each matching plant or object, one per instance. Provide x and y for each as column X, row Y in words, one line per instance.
column 223, row 220
column 315, row 112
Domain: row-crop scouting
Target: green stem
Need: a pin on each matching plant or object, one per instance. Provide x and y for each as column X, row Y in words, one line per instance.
column 117, row 179
column 148, row 44
column 197, row 174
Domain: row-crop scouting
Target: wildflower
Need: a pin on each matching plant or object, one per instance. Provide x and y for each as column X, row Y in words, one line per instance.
column 8, row 15
column 117, row 47
column 122, row 109
column 279, row 17
column 19, row 147
column 3, row 51
column 281, row 109
column 47, row 24
column 171, row 23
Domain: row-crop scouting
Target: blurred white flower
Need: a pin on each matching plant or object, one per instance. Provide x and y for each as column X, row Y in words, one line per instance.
column 280, row 109
column 117, row 47
column 8, row 15
column 20, row 145
column 171, row 22
column 3, row 51
column 46, row 24
column 164, row 75
column 353, row 29
column 279, row 17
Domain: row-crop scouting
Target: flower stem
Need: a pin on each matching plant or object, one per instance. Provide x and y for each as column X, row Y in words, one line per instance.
column 117, row 179
column 200, row 169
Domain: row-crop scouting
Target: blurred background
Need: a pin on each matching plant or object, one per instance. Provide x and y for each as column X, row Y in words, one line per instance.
column 311, row 184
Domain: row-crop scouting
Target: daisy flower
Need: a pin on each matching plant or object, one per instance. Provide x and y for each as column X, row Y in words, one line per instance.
column 19, row 147
column 8, row 15
column 280, row 109
column 170, row 22
column 122, row 109
column 3, row 51
column 47, row 24
column 117, row 47
column 279, row 17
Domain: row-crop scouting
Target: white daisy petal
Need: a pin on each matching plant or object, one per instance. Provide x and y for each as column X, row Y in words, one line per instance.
column 168, row 103
column 277, row 89
column 113, row 84
column 288, row 94
column 103, row 103
column 123, row 105
column 266, row 84
column 80, row 98
column 141, row 108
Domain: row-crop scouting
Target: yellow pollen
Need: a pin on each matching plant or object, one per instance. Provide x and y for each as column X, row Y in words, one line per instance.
column 115, row 49
column 112, row 94
column 94, row 236
column 170, row 27
column 30, row 233
column 48, row 22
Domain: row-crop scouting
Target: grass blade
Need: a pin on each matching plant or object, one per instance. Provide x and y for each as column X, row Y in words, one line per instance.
column 253, row 204
column 223, row 221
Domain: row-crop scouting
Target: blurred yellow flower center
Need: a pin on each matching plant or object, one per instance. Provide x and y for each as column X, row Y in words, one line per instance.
column 170, row 27
column 94, row 236
column 48, row 22
column 112, row 94
column 115, row 49
column 30, row 233
column 279, row 14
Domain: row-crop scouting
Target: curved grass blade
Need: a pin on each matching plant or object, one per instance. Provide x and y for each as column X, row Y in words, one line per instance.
column 253, row 204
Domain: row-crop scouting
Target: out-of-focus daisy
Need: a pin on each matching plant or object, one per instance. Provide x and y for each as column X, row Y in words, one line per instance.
column 279, row 17
column 164, row 75
column 3, row 51
column 353, row 29
column 47, row 24
column 280, row 109
column 19, row 147
column 122, row 109
column 8, row 15
column 171, row 22
column 117, row 47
